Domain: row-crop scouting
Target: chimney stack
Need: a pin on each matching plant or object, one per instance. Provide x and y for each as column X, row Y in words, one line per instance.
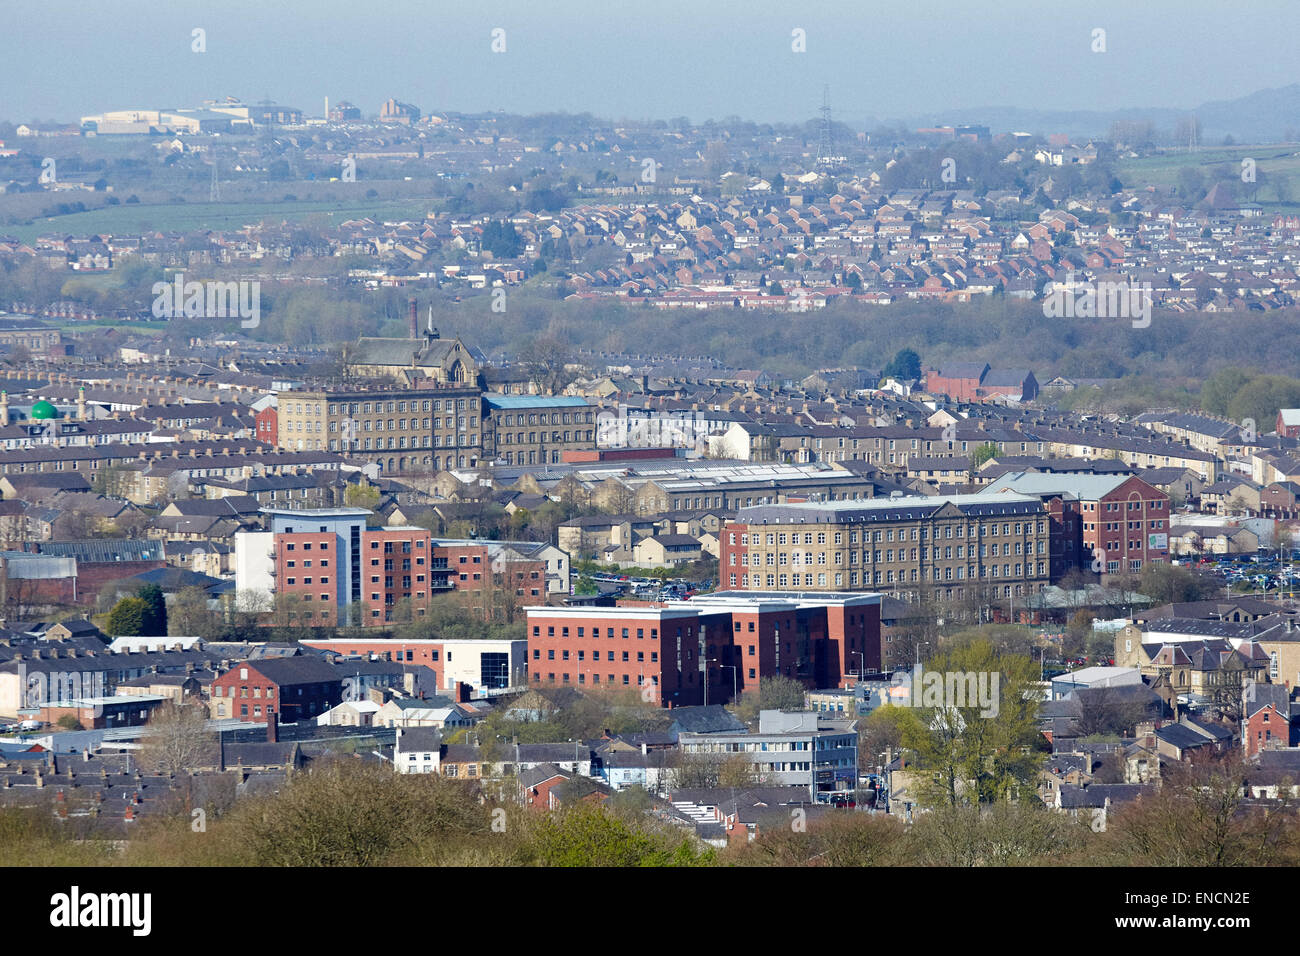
column 272, row 728
column 412, row 314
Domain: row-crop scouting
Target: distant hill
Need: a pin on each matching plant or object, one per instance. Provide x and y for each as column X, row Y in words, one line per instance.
column 1262, row 116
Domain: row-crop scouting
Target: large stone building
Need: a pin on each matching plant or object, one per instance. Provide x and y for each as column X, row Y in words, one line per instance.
column 401, row 429
column 536, row 429
column 994, row 545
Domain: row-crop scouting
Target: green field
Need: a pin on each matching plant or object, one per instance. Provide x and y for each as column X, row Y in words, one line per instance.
column 1163, row 169
column 193, row 217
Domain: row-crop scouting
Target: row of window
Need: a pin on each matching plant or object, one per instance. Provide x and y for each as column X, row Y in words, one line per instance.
column 394, row 424
column 557, row 418
column 517, row 438
column 796, row 558
column 365, row 408
column 922, row 534
column 416, row 441
column 902, row 576
column 595, row 655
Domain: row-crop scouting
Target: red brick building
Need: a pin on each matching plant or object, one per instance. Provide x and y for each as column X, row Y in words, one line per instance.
column 481, row 567
column 267, row 425
column 396, row 570
column 976, row 382
column 479, row 664
column 1288, row 422
column 307, row 576
column 293, row 688
column 959, row 380
column 396, row 564
column 1267, row 718
column 1127, row 527
column 734, row 637
column 1123, row 522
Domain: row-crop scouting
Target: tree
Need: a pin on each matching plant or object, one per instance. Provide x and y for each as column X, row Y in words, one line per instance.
column 774, row 693
column 190, row 616
column 1199, row 817
column 972, row 753
column 547, row 359
column 905, row 366
column 1220, row 388
column 1004, row 834
column 1107, row 711
column 982, row 454
column 880, row 732
column 780, row 693
column 1166, row 584
column 19, row 597
column 154, row 623
column 175, row 738
column 587, row 835
column 707, row 771
column 1077, row 632
column 837, row 839
column 360, row 495
column 345, row 812
column 127, row 617
column 68, row 722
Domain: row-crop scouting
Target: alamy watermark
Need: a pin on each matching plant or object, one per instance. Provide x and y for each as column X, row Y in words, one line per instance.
column 949, row 689
column 688, row 430
column 1101, row 300
column 209, row 299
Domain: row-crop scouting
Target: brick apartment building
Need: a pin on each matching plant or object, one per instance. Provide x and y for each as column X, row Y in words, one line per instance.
column 902, row 545
column 396, row 570
column 1122, row 520
column 731, row 638
column 325, row 567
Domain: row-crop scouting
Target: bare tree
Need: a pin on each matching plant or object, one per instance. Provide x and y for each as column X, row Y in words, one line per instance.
column 1107, row 710
column 175, row 738
column 546, row 359
column 1199, row 817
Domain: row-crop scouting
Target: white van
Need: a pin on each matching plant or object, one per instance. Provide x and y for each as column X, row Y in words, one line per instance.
column 30, row 725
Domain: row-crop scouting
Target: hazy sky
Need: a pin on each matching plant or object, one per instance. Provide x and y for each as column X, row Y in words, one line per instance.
column 646, row 59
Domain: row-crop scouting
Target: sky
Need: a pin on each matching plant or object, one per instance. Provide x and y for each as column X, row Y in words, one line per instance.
column 643, row 59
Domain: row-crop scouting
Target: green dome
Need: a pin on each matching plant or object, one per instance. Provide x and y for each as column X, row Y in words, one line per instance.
column 44, row 409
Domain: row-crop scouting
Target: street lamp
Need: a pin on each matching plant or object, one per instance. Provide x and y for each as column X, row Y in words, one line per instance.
column 734, row 683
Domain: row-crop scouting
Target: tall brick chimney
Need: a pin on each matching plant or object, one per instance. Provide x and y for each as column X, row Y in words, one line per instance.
column 412, row 316
column 272, row 728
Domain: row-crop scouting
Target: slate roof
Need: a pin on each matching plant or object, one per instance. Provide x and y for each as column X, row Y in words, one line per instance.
column 305, row 669
column 540, row 774
column 713, row 719
column 419, row 740
column 1184, row 738
column 1096, row 794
